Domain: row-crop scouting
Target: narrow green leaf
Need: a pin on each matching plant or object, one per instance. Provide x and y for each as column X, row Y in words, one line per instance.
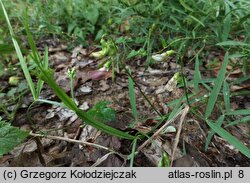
column 245, row 119
column 208, row 80
column 2, row 71
column 31, row 41
column 176, row 109
column 197, row 74
column 133, row 153
column 185, row 5
column 165, row 161
column 47, row 76
column 216, row 89
column 101, row 126
column 132, row 97
column 242, row 19
column 197, row 20
column 226, row 23
column 239, row 112
column 45, row 66
column 240, row 93
column 231, row 139
column 226, row 95
column 207, row 87
column 238, row 55
column 219, row 122
column 232, row 43
column 51, row 102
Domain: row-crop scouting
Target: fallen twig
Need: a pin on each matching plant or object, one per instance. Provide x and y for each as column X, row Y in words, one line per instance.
column 163, row 127
column 177, row 137
column 77, row 142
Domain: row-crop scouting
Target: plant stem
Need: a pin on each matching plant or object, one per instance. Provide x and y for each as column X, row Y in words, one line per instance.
column 144, row 96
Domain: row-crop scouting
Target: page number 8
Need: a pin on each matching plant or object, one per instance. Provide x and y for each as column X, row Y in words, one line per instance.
column 241, row 174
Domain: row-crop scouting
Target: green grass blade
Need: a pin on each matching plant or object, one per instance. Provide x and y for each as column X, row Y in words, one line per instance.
column 47, row 76
column 226, row 23
column 240, row 93
column 245, row 119
column 101, row 126
column 19, row 54
column 226, row 95
column 164, row 161
column 216, row 89
column 231, row 139
column 243, row 19
column 39, row 87
column 51, row 102
column 232, row 43
column 212, row 132
column 132, row 97
column 46, row 58
column 176, row 109
column 45, row 66
column 31, row 41
column 197, row 20
column 185, row 5
column 239, row 112
column 197, row 74
column 207, row 86
column 133, row 153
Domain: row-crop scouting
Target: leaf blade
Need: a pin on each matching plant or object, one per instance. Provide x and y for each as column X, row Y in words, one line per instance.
column 231, row 139
column 216, row 89
column 132, row 97
column 219, row 122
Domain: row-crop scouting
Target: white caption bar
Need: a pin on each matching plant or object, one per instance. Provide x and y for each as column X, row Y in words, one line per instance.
column 128, row 175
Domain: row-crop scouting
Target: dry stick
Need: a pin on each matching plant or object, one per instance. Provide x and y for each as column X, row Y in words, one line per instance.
column 177, row 137
column 100, row 160
column 40, row 151
column 160, row 129
column 77, row 142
